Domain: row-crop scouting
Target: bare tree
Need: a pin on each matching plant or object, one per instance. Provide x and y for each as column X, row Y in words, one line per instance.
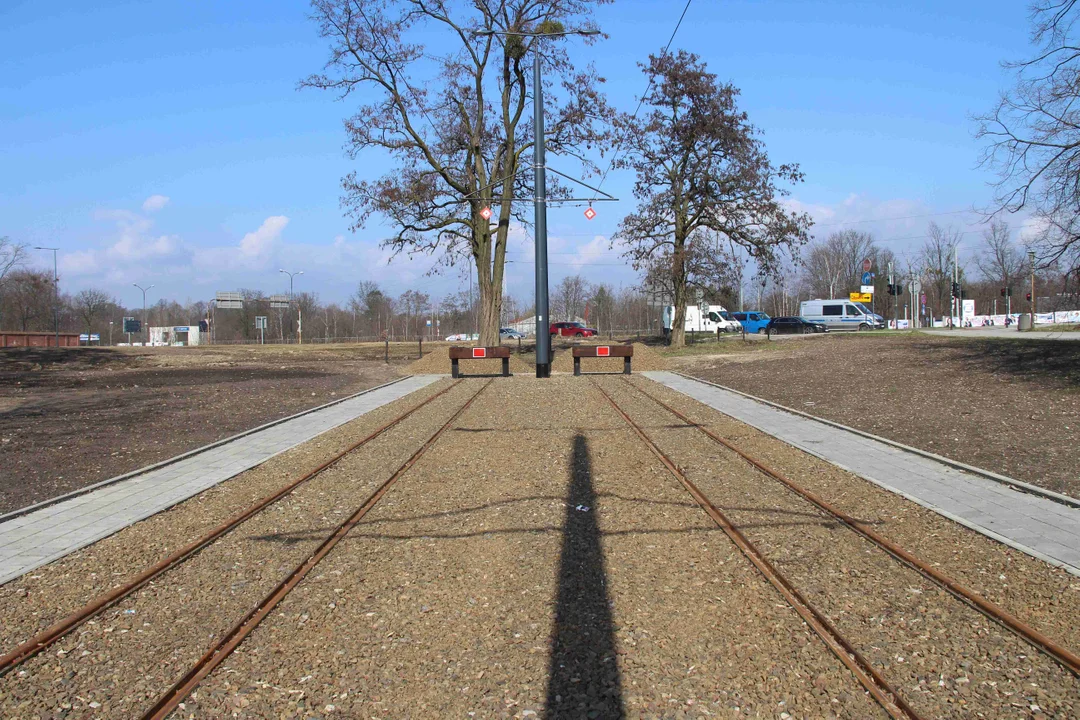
column 938, row 255
column 453, row 116
column 835, row 264
column 90, row 303
column 569, row 297
column 700, row 166
column 1000, row 260
column 12, row 256
column 1033, row 134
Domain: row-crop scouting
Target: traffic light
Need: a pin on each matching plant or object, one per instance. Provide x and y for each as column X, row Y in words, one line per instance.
column 1002, row 292
column 956, row 289
column 1029, row 297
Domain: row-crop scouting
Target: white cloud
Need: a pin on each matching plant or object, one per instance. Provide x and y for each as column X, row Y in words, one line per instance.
column 258, row 244
column 154, row 203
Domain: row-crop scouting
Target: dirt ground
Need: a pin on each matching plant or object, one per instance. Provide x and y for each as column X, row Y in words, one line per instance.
column 1008, row 406
column 73, row 417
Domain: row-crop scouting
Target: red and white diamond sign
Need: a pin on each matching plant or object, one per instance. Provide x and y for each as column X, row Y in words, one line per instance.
column 479, row 352
column 590, row 213
column 486, row 213
column 603, row 351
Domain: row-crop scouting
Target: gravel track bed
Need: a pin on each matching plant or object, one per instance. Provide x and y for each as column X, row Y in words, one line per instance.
column 34, row 601
column 178, row 616
column 1045, row 597
column 560, row 572
column 947, row 659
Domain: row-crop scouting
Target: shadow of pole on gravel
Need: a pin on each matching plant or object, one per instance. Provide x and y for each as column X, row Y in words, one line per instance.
column 583, row 675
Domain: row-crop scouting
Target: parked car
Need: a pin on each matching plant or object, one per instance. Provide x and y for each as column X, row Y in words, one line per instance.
column 754, row 320
column 571, row 329
column 794, row 326
column 510, row 334
column 841, row 314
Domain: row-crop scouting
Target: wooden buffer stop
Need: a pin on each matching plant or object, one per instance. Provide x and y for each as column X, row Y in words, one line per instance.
column 603, row 351
column 479, row 353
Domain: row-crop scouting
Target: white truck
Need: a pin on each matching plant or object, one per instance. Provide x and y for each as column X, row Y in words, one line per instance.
column 716, row 318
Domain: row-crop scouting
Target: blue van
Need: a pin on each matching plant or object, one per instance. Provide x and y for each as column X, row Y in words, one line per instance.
column 754, row 321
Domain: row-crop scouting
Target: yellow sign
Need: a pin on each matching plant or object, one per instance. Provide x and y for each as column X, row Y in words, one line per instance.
column 860, row 297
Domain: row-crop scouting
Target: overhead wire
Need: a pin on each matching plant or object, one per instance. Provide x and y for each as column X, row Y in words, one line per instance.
column 641, row 101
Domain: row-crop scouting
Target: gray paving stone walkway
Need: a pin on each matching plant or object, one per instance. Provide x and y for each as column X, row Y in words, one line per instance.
column 1040, row 527
column 44, row 535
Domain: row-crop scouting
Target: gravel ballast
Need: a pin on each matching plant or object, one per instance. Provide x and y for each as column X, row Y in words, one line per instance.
column 570, row 579
column 539, row 561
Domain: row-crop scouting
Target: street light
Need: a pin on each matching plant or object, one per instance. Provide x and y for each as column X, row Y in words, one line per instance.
column 299, row 315
column 56, row 294
column 146, row 325
column 543, row 337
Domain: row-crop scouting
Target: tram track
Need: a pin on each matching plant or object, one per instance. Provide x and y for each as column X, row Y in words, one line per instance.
column 224, row 647
column 867, row 675
column 57, row 631
column 1065, row 657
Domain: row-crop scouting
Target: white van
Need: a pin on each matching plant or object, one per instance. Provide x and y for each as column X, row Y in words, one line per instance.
column 841, row 315
column 715, row 319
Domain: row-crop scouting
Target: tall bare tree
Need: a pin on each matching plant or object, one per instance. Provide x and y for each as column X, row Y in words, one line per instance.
column 700, row 167
column 938, row 256
column 12, row 256
column 452, row 115
column 90, row 304
column 1033, row 134
column 1000, row 259
column 568, row 297
column 834, row 265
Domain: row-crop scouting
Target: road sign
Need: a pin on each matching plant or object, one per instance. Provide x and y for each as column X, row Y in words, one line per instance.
column 866, row 265
column 867, row 289
column 131, row 325
column 260, row 322
column 589, row 213
column 867, row 278
column 486, row 213
column 229, row 300
column 279, row 301
column 429, row 323
column 860, row 297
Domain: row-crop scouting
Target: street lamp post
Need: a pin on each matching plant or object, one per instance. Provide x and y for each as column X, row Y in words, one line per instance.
column 146, row 325
column 543, row 337
column 56, row 294
column 299, row 315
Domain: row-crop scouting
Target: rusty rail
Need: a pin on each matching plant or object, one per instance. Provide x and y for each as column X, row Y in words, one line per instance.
column 232, row 639
column 55, row 632
column 859, row 666
column 1061, row 654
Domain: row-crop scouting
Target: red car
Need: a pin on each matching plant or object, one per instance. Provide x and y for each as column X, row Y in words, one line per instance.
column 571, row 329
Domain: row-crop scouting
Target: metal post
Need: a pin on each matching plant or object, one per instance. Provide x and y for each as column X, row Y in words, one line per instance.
column 56, row 296
column 146, row 324
column 1031, row 259
column 543, row 337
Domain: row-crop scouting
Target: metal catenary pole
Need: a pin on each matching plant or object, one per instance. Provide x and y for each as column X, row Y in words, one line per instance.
column 543, row 337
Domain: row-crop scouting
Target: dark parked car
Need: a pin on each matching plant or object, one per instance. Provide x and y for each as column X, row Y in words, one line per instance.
column 571, row 329
column 794, row 326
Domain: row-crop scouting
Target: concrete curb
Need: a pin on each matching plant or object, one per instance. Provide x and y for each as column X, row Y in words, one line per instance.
column 1018, row 485
column 105, row 483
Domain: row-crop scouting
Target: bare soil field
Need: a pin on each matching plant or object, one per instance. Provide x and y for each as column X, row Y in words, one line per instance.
column 72, row 417
column 1009, row 406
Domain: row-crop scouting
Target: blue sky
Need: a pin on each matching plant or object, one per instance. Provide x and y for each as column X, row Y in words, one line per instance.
column 167, row 143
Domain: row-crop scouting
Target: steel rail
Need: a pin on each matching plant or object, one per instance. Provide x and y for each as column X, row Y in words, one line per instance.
column 246, row 625
column 55, row 632
column 859, row 666
column 1067, row 658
